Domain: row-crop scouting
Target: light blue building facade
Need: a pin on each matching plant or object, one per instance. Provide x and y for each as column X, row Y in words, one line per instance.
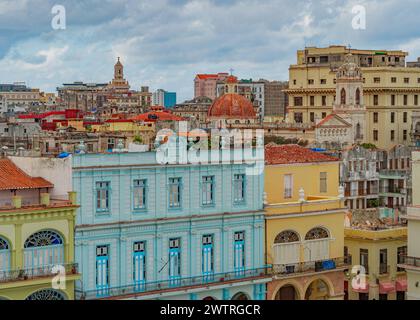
column 176, row 231
column 169, row 99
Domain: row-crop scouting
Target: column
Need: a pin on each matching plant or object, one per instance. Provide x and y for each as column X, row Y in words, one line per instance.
column 17, row 261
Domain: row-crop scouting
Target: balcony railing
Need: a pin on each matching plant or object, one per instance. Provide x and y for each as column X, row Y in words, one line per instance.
column 179, row 283
column 311, row 266
column 35, row 273
column 410, row 261
column 392, row 189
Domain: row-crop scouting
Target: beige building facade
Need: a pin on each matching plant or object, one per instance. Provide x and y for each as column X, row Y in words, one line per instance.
column 390, row 91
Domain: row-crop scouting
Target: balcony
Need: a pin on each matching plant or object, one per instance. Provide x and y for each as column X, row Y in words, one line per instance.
column 393, row 190
column 36, row 273
column 409, row 262
column 148, row 288
column 311, row 266
column 393, row 174
column 34, row 202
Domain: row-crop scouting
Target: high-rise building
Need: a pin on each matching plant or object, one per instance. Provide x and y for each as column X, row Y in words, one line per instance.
column 164, row 98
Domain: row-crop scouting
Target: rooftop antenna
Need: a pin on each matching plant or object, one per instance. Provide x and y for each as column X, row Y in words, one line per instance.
column 231, row 71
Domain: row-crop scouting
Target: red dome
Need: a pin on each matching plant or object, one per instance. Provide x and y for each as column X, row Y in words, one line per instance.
column 232, row 105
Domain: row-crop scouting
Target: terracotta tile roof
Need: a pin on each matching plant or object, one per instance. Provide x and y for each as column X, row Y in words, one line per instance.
column 12, row 177
column 207, row 76
column 332, row 116
column 292, row 153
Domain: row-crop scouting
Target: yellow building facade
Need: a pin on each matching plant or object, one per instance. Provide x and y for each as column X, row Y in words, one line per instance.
column 378, row 252
column 304, row 225
column 390, row 91
column 36, row 239
column 411, row 262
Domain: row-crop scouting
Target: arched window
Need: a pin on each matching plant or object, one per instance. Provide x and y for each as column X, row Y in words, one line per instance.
column 240, row 296
column 4, row 255
column 43, row 238
column 317, row 233
column 286, row 249
column 43, row 249
column 46, row 294
column 357, row 96
column 343, row 96
column 317, row 245
column 287, row 237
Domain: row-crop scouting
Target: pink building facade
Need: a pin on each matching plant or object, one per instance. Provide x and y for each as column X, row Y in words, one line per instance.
column 206, row 84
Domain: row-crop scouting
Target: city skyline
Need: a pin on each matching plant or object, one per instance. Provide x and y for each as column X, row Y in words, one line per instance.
column 165, row 43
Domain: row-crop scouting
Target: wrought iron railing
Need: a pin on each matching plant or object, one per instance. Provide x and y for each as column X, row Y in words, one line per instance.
column 311, row 266
column 37, row 272
column 136, row 289
column 409, row 261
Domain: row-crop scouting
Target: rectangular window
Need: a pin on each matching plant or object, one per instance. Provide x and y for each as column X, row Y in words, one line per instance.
column 312, row 100
column 312, row 117
column 375, row 100
column 239, row 188
column 323, row 81
column 102, row 196
column 310, row 81
column 401, row 253
column 207, row 262
column 392, row 99
column 298, row 101
column 405, row 99
column 298, row 116
column 102, row 271
column 364, row 259
column 405, row 117
column 323, row 182
column 416, row 100
column 375, row 117
column 383, row 261
column 324, row 100
column 392, row 117
column 405, row 135
column 174, row 192
column 392, row 135
column 139, row 190
column 139, row 265
column 174, row 262
column 288, row 186
column 207, row 191
column 239, row 253
column 406, row 80
column 394, row 80
column 377, row 80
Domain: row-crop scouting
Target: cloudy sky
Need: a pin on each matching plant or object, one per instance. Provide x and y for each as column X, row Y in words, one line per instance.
column 164, row 43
